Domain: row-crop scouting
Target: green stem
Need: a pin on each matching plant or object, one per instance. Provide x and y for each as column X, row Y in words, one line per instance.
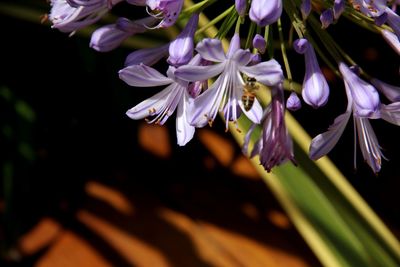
column 284, row 55
column 214, row 21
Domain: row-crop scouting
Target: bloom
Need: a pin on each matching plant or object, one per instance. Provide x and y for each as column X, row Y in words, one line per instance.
column 370, row 149
column 166, row 10
column 265, row 12
column 293, row 102
column 315, row 87
column 275, row 145
column 365, row 97
column 72, row 15
column 226, row 92
column 163, row 104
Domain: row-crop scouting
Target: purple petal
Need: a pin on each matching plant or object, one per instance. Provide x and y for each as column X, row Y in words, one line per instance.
column 242, row 57
column 143, row 76
column 259, row 43
column 390, row 91
column 293, row 102
column 192, row 73
column 365, row 97
column 150, row 106
column 323, row 143
column 146, row 56
column 268, row 73
column 205, row 107
column 107, row 38
column 184, row 131
column 368, row 144
column 211, row 49
column 326, row 18
column 391, row 113
column 240, row 6
column 392, row 40
column 181, row 49
column 234, row 45
column 255, row 113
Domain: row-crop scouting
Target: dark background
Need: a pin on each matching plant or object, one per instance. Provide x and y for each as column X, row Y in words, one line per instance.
column 62, row 119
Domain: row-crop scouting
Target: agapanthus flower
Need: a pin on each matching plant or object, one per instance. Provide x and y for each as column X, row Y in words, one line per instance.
column 226, row 92
column 356, row 90
column 275, row 145
column 181, row 49
column 338, row 8
column 305, row 8
column 167, row 11
column 259, row 43
column 315, row 87
column 365, row 97
column 108, row 37
column 163, row 104
column 240, row 6
column 72, row 15
column 265, row 12
column 326, row 18
column 293, row 102
column 370, row 8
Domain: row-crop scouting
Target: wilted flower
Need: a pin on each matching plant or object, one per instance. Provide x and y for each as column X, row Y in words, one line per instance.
column 72, row 15
column 275, row 145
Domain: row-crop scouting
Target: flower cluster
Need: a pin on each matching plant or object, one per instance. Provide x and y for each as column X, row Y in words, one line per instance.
column 242, row 70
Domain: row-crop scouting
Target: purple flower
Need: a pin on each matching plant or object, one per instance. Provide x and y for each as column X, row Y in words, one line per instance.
column 181, row 49
column 275, row 145
column 293, row 102
column 391, row 112
column 225, row 94
column 111, row 36
column 338, row 8
column 394, row 21
column 305, row 8
column 323, row 143
column 315, row 87
column 326, row 18
column 365, row 97
column 166, row 10
column 147, row 56
column 240, row 6
column 72, row 15
column 259, row 43
column 370, row 8
column 163, row 104
column 265, row 12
